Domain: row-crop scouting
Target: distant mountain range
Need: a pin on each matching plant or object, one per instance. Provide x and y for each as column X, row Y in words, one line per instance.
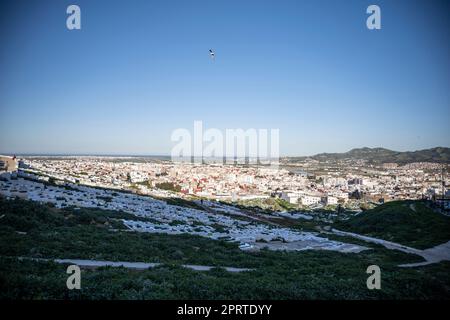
column 382, row 155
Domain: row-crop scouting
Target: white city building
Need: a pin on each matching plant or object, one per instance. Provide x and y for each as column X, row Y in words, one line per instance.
column 308, row 200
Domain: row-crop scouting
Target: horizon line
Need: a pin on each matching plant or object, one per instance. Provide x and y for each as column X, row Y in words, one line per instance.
column 135, row 155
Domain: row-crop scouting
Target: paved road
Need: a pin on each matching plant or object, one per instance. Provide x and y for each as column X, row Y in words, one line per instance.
column 130, row 265
column 431, row 255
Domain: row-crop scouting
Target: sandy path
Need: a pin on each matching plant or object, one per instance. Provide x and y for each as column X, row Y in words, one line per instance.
column 431, row 255
column 130, row 265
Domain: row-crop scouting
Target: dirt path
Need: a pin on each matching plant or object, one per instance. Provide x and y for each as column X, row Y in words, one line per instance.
column 129, row 265
column 432, row 255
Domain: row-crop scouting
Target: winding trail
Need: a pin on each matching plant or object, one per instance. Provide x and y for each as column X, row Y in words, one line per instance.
column 432, row 255
column 129, row 265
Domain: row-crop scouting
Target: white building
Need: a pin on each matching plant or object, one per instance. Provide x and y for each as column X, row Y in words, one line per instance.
column 330, row 200
column 308, row 200
column 8, row 164
column 291, row 196
column 339, row 194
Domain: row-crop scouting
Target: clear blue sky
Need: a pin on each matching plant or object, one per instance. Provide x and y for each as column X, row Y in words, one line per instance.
column 137, row 70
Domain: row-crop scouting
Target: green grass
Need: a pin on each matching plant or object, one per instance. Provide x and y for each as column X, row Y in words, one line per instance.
column 168, row 186
column 267, row 205
column 411, row 223
column 317, row 275
column 91, row 234
column 86, row 234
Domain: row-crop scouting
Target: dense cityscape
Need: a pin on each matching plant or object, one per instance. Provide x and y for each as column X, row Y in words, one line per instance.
column 309, row 183
column 221, row 194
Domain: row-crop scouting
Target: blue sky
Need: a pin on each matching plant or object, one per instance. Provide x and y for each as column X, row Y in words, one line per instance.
column 137, row 70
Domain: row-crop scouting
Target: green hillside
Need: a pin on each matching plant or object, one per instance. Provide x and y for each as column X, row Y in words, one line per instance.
column 382, row 155
column 30, row 229
column 411, row 223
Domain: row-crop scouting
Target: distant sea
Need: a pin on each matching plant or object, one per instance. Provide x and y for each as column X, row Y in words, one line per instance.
column 112, row 156
column 292, row 169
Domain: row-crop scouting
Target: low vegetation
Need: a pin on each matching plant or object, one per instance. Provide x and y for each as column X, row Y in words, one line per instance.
column 412, row 223
column 29, row 229
column 168, row 186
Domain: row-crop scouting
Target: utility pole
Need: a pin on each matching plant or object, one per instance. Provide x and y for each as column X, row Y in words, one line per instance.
column 443, row 182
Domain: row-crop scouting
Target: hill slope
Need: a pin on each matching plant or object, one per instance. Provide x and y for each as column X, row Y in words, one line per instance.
column 411, row 223
column 30, row 229
column 382, row 155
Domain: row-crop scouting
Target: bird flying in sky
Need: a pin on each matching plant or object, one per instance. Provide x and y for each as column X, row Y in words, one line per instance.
column 212, row 54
